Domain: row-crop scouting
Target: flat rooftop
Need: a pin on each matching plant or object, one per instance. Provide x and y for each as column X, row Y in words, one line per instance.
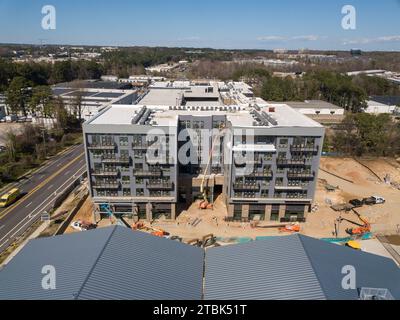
column 238, row 116
column 313, row 104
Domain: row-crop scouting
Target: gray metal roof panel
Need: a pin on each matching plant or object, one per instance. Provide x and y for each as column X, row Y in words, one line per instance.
column 139, row 266
column 272, row 269
column 72, row 256
column 371, row 270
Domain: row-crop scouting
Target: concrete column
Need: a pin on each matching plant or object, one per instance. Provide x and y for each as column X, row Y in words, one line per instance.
column 268, row 209
column 149, row 211
column 231, row 209
column 282, row 211
column 245, row 211
column 173, row 211
column 307, row 208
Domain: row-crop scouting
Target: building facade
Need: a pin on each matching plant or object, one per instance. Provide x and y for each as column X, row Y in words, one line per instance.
column 152, row 161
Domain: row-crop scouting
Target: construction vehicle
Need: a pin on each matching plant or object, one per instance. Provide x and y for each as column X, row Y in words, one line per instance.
column 290, row 228
column 205, row 204
column 140, row 226
column 364, row 227
column 354, row 245
column 374, row 200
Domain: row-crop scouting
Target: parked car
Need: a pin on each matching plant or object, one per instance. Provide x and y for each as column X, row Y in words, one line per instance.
column 82, row 226
column 356, row 203
column 374, row 200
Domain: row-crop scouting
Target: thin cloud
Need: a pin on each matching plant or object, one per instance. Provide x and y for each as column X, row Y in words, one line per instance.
column 193, row 38
column 395, row 38
column 311, row 37
column 271, row 38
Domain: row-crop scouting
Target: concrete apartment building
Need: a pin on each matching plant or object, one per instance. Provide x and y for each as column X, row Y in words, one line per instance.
column 261, row 158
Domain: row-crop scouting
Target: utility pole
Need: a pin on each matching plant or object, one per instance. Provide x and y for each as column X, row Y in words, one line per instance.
column 44, row 141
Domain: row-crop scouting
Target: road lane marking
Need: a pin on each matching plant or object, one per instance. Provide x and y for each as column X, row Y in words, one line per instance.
column 2, row 227
column 38, row 187
column 31, row 216
column 39, row 171
column 67, row 172
column 51, row 186
column 28, row 204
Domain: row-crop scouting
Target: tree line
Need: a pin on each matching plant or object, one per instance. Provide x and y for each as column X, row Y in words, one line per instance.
column 366, row 134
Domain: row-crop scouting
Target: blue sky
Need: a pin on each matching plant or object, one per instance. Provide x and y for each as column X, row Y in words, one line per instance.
column 251, row 24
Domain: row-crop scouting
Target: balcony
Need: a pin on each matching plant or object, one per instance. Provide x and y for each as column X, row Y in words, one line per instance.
column 115, row 160
column 157, row 161
column 160, row 186
column 106, row 185
column 144, row 174
column 246, row 186
column 304, row 148
column 290, row 162
column 105, row 173
column 95, row 146
column 289, row 188
column 301, row 175
column 267, row 174
column 248, row 162
column 142, row 146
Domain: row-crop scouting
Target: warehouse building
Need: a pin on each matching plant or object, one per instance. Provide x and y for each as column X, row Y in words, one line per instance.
column 94, row 95
column 116, row 263
column 264, row 161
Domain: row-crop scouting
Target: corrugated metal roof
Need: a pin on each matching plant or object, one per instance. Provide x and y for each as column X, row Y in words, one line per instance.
column 139, row 266
column 272, row 269
column 117, row 263
column 372, row 271
column 109, row 263
column 72, row 255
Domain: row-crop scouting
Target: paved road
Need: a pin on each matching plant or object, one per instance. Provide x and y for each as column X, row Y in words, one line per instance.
column 40, row 191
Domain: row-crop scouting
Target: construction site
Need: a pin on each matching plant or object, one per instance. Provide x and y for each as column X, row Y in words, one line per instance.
column 372, row 228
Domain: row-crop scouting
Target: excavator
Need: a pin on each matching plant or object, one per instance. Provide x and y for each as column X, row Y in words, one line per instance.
column 363, row 228
column 153, row 231
column 205, row 204
column 290, row 228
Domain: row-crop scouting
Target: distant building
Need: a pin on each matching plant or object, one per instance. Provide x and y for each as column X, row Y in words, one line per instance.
column 355, row 52
column 94, row 95
column 3, row 109
column 375, row 107
column 316, row 107
column 392, row 101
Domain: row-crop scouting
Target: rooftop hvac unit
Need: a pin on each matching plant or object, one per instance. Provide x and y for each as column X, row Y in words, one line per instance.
column 375, row 294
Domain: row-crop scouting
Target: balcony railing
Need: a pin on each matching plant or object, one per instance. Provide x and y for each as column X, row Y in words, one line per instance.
column 116, row 160
column 142, row 146
column 95, row 146
column 291, row 162
column 160, row 186
column 245, row 186
column 304, row 148
column 141, row 173
column 106, row 185
column 300, row 175
column 267, row 174
column 105, row 173
column 240, row 163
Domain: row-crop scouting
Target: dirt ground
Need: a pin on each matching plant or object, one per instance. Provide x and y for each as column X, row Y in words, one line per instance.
column 385, row 219
column 85, row 214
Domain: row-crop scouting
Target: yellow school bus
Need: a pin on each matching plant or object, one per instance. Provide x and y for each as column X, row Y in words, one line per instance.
column 9, row 198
